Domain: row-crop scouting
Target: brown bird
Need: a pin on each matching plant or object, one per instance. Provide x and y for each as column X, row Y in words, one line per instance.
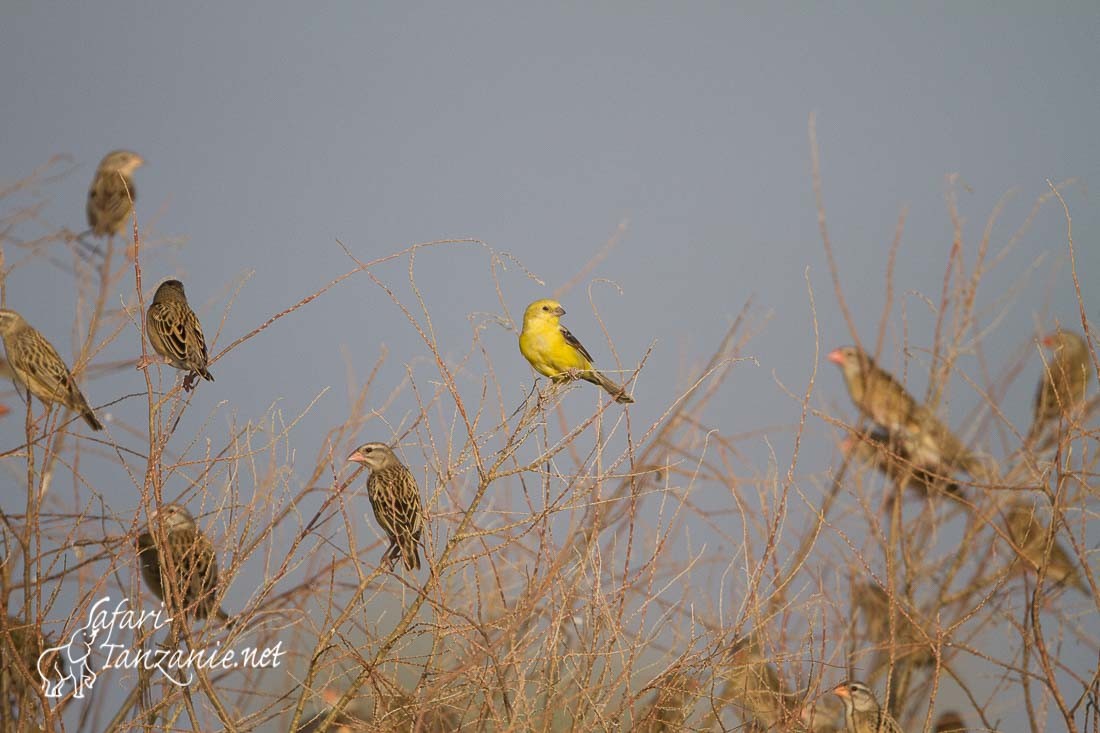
column 751, row 684
column 111, row 193
column 395, row 498
column 890, row 458
column 882, row 399
column 950, row 722
column 36, row 365
column 1064, row 383
column 1030, row 536
column 862, row 713
column 175, row 333
column 676, row 694
column 910, row 644
column 27, row 645
column 194, row 564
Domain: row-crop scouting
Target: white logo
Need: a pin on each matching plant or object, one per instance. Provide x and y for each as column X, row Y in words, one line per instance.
column 73, row 661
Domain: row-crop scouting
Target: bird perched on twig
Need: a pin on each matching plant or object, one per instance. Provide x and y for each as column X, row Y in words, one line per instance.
column 751, row 684
column 910, row 643
column 556, row 353
column 36, row 365
column 112, row 192
column 890, row 458
column 176, row 334
column 193, row 569
column 950, row 722
column 1030, row 536
column 677, row 692
column 395, row 498
column 882, row 399
column 862, row 713
column 1064, row 383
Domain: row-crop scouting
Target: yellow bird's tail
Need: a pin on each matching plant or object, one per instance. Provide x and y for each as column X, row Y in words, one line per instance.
column 615, row 390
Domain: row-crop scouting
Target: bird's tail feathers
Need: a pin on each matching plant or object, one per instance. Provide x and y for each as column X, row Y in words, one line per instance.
column 615, row 390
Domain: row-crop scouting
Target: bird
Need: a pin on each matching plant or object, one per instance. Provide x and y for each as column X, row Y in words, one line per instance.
column 1030, row 536
column 1064, row 382
column 194, row 564
column 889, row 457
column 112, row 192
column 862, row 713
column 175, row 332
column 751, row 684
column 395, row 498
column 670, row 707
column 27, row 645
column 36, row 365
column 882, row 399
column 910, row 644
column 556, row 353
column 950, row 722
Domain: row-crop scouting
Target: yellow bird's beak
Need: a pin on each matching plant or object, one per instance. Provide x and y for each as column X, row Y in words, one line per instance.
column 559, row 311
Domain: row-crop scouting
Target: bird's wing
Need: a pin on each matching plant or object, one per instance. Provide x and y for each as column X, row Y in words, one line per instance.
column 171, row 324
column 41, row 362
column 572, row 341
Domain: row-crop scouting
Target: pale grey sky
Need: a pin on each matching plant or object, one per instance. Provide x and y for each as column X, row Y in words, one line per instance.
column 272, row 130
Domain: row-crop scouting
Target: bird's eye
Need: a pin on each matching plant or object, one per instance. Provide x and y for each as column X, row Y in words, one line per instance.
column 546, row 307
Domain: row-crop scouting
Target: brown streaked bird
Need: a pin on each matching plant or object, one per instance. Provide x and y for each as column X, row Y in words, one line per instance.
column 890, row 458
column 676, row 694
column 176, row 334
column 27, row 645
column 882, row 399
column 1030, row 536
column 554, row 352
column 111, row 193
column 1064, row 383
column 36, row 365
column 752, row 686
column 910, row 644
column 950, row 722
column 194, row 564
column 862, row 713
column 395, row 498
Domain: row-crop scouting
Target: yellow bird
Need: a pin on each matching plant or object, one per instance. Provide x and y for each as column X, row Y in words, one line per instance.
column 556, row 353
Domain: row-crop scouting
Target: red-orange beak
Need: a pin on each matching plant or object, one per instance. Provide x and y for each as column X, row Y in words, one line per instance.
column 841, row 691
column 836, row 356
column 357, row 457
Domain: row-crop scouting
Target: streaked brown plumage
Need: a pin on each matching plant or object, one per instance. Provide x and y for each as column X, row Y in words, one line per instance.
column 910, row 645
column 950, row 722
column 862, row 713
column 676, row 694
column 890, row 458
column 395, row 498
column 1065, row 380
column 27, row 644
column 1030, row 536
column 175, row 332
column 109, row 205
column 882, row 399
column 38, row 367
column 751, row 684
column 194, row 563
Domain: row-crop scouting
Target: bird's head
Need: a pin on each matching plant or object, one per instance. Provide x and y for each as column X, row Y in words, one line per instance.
column 121, row 161
column 544, row 310
column 857, row 695
column 850, row 359
column 10, row 321
column 174, row 518
column 1059, row 340
column 170, row 290
column 374, row 456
